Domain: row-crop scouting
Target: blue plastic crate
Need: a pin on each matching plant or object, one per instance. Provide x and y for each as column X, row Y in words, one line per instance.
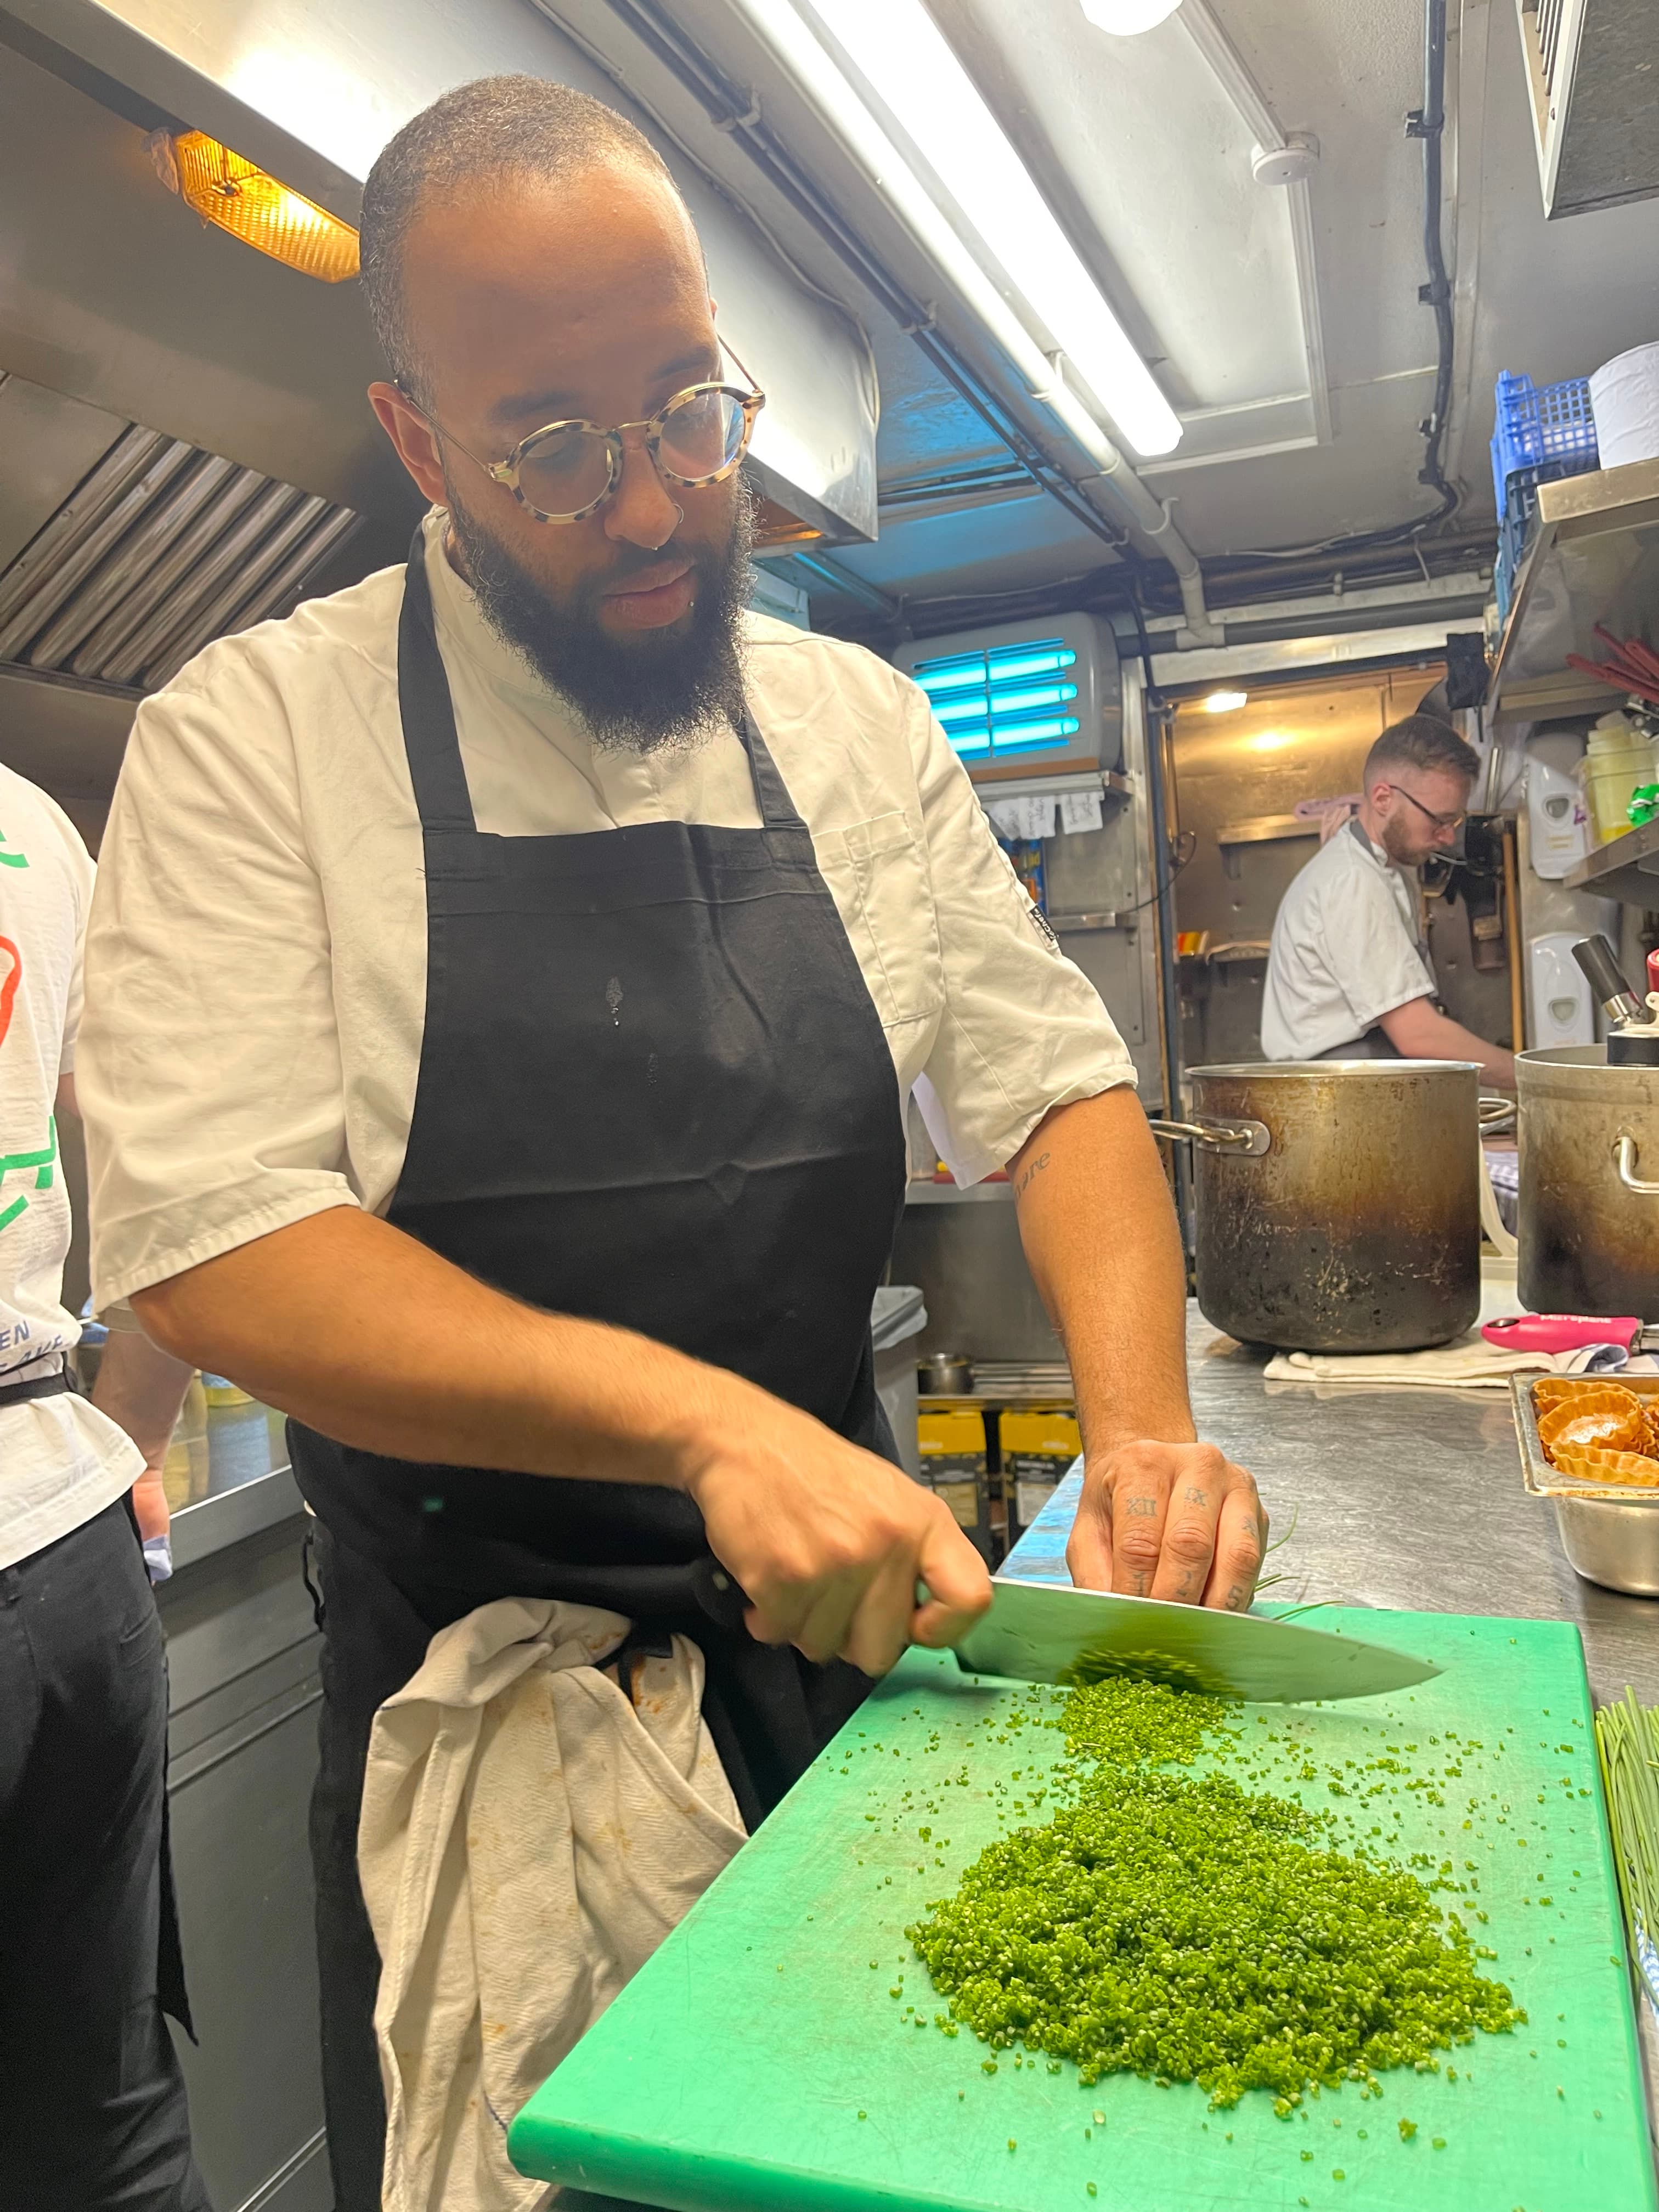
column 1541, row 432
column 1514, row 529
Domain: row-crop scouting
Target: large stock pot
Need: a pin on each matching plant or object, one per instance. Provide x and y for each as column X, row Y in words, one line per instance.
column 1590, row 1183
column 1337, row 1202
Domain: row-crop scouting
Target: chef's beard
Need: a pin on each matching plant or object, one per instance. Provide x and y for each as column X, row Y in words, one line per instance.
column 656, row 692
column 1403, row 847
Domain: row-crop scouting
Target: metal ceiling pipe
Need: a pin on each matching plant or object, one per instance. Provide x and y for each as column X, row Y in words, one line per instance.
column 1110, row 484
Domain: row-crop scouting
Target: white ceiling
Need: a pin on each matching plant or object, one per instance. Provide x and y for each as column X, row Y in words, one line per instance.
column 1148, row 161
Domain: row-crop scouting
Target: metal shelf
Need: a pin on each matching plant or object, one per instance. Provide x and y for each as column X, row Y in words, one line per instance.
column 1263, row 829
column 1594, row 558
column 1109, row 782
column 1627, row 869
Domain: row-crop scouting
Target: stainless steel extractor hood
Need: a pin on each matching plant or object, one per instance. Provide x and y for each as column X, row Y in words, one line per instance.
column 118, row 294
column 158, row 549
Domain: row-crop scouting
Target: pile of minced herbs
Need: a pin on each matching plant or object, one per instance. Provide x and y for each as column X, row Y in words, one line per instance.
column 1176, row 1926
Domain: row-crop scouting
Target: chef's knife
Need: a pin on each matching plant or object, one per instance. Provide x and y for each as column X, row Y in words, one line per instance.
column 1050, row 1632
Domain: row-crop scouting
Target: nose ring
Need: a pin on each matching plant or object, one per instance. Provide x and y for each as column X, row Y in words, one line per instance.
column 679, row 517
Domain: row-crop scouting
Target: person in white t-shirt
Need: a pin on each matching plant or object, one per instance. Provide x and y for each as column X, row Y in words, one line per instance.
column 1349, row 975
column 91, row 2102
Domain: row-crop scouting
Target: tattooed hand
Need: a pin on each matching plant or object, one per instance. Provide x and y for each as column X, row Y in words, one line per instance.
column 1170, row 1521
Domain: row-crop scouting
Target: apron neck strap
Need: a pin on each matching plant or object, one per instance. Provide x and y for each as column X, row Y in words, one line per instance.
column 777, row 809
column 430, row 739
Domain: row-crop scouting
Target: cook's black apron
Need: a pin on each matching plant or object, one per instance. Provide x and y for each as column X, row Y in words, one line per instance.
column 653, row 1092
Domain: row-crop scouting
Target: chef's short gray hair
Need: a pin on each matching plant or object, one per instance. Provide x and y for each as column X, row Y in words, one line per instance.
column 496, row 128
column 1421, row 741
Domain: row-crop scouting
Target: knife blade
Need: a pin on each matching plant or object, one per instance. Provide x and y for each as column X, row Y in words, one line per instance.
column 1050, row 1632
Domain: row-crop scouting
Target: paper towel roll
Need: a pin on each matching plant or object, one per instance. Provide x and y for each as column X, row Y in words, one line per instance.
column 1624, row 400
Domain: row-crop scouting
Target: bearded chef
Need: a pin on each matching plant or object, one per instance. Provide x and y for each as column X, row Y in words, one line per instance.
column 507, row 977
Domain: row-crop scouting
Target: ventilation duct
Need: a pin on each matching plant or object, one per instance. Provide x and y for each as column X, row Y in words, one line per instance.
column 1593, row 72
column 160, row 549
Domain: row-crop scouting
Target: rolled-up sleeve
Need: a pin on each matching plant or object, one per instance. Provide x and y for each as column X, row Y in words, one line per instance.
column 209, row 1066
column 1023, row 1029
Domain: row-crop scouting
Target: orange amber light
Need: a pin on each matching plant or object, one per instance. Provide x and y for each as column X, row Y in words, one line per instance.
column 234, row 195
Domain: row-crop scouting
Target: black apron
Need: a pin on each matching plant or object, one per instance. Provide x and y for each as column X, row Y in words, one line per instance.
column 653, row 1092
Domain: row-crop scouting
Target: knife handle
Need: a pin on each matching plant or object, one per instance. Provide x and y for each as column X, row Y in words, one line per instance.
column 1560, row 1332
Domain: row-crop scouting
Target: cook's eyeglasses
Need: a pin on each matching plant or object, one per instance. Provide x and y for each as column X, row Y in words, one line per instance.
column 566, row 471
column 1440, row 821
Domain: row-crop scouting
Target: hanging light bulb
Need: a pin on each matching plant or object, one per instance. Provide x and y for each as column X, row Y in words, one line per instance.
column 1124, row 18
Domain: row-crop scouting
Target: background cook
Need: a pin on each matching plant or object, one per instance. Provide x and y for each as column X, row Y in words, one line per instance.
column 1349, row 975
column 505, row 979
column 93, row 2112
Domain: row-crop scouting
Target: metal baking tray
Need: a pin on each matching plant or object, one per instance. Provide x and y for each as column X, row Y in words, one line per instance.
column 1543, row 1480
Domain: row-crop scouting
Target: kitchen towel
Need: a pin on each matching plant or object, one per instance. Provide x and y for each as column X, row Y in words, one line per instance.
column 1469, row 1363
column 529, row 1835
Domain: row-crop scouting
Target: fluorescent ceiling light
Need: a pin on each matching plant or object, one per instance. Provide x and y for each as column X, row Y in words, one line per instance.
column 1124, row 18
column 902, row 53
column 1224, row 702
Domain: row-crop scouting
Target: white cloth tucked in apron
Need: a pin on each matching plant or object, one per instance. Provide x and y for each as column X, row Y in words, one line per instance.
column 528, row 1836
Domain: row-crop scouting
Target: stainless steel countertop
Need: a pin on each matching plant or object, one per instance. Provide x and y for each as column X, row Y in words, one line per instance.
column 1402, row 1497
column 1411, row 1498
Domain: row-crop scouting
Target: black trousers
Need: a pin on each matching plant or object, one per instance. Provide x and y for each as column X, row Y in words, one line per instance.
column 93, row 2117
column 375, row 1633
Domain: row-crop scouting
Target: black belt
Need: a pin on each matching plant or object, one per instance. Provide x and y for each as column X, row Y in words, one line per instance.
column 43, row 1386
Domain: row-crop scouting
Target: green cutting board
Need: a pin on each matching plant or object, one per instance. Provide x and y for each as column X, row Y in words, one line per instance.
column 760, row 2063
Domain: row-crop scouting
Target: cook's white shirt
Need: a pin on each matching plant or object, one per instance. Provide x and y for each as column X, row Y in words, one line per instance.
column 1346, row 950
column 257, row 959
column 60, row 1461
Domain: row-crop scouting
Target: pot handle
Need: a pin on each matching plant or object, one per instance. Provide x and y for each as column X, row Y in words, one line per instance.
column 1497, row 1112
column 1248, row 1139
column 1625, row 1152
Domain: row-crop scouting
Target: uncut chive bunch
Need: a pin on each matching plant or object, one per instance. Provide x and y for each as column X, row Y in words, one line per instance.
column 1627, row 1737
column 1179, row 1927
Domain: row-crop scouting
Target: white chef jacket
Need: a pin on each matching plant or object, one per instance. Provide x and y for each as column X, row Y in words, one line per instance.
column 1346, row 950
column 257, row 958
column 61, row 1461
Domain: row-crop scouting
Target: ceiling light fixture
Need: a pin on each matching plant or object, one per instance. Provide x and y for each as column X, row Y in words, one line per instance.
column 1224, row 702
column 1126, row 18
column 904, row 58
column 234, row 195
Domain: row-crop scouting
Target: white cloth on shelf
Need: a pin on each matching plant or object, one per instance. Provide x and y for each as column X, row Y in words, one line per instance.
column 512, row 1772
column 1079, row 810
